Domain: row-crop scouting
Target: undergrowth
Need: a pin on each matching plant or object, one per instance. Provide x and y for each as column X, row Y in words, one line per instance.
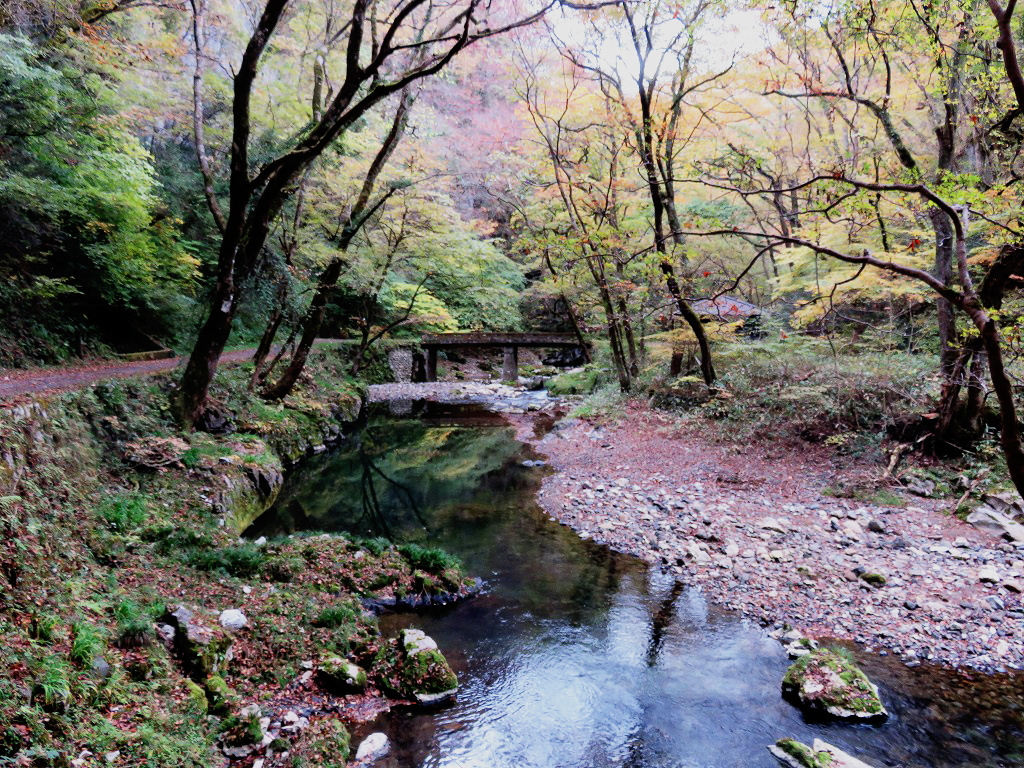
column 97, row 545
column 797, row 388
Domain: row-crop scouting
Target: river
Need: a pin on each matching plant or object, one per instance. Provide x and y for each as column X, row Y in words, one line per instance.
column 574, row 656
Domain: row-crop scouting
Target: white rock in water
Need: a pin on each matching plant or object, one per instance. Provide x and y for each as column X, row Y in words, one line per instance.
column 374, row 746
column 837, row 758
column 233, row 620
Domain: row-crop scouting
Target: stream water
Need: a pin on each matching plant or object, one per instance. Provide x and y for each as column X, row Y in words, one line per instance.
column 576, row 657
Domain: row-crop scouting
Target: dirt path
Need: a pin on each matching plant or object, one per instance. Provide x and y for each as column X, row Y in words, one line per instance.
column 17, row 383
column 14, row 383
column 753, row 526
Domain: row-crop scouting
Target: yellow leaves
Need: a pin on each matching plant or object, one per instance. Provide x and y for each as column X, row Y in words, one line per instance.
column 823, row 282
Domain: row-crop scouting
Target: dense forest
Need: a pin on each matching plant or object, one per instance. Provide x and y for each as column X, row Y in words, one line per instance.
column 199, row 174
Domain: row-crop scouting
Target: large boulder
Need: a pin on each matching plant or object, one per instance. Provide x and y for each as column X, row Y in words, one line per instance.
column 819, row 755
column 826, row 683
column 987, row 517
column 412, row 667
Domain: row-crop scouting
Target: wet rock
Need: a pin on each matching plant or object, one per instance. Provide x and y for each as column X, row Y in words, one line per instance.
column 412, row 667
column 373, row 747
column 819, row 755
column 342, row 676
column 826, row 683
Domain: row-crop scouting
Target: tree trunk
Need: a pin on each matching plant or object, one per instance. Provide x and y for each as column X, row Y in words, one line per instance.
column 311, row 324
column 976, row 391
column 707, row 369
column 944, row 272
column 190, row 397
column 265, row 345
column 1009, row 436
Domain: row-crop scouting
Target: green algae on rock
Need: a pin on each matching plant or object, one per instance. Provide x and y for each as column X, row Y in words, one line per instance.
column 820, row 754
column 827, row 683
column 411, row 666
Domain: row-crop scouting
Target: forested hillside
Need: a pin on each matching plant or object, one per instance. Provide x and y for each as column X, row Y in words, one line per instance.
column 198, row 174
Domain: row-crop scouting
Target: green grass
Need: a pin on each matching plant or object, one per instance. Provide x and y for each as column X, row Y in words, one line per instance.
column 87, row 643
column 429, row 558
column 242, row 560
column 336, row 616
column 52, row 680
column 123, row 512
column 134, row 628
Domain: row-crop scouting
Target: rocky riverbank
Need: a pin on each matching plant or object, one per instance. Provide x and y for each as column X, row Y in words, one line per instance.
column 754, row 528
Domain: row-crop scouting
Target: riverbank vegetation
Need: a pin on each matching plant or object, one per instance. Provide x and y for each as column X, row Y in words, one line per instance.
column 845, row 178
column 113, row 525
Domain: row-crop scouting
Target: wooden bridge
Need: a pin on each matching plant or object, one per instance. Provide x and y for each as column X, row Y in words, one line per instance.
column 510, row 342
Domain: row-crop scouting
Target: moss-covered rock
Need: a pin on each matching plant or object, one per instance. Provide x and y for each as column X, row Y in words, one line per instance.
column 874, row 579
column 341, row 676
column 820, row 755
column 577, row 383
column 242, row 734
column 199, row 643
column 412, row 667
column 220, row 697
column 826, row 683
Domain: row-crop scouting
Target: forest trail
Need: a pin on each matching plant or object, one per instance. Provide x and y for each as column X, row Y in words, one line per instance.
column 36, row 381
column 15, row 383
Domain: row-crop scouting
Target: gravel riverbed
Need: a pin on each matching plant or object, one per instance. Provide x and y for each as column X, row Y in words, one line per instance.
column 751, row 527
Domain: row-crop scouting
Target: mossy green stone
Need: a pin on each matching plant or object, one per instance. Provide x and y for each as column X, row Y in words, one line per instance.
column 826, row 682
column 341, row 675
column 797, row 755
column 222, row 699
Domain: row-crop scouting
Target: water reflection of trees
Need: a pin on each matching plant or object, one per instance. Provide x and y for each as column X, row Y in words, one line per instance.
column 393, row 477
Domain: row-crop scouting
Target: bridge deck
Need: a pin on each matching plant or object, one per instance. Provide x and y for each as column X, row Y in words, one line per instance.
column 482, row 339
column 510, row 342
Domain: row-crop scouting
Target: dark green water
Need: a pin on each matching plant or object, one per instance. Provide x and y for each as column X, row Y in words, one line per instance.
column 575, row 657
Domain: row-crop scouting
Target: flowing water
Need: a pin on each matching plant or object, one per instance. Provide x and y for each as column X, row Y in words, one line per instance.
column 576, row 657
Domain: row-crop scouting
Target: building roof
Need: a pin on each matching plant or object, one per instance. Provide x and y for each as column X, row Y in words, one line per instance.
column 725, row 308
